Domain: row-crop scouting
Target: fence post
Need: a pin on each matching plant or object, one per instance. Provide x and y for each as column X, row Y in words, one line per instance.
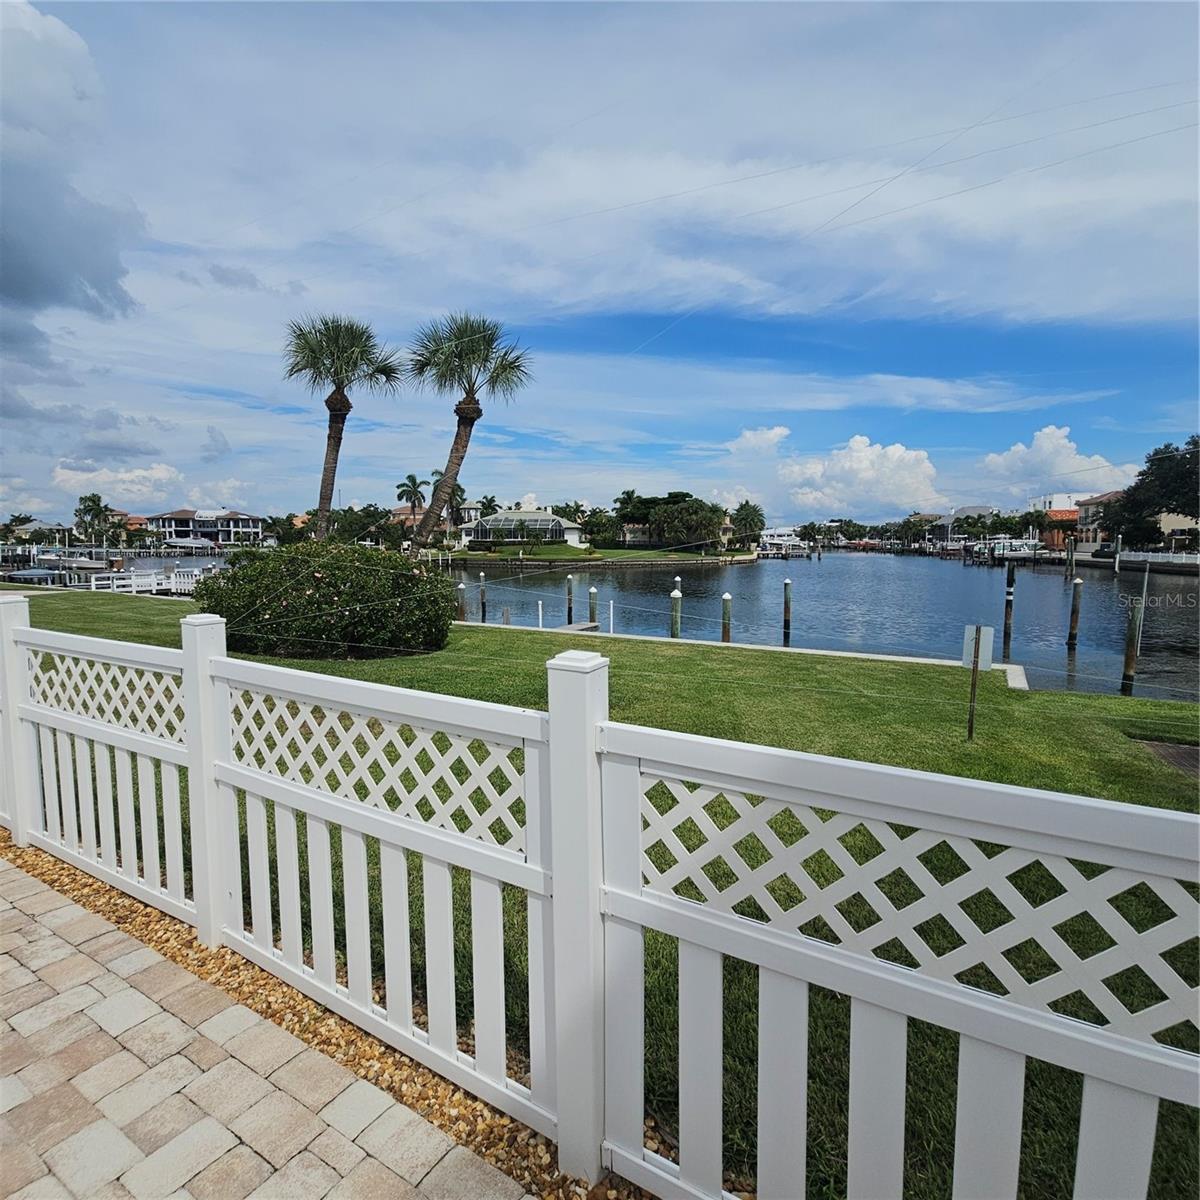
column 578, row 686
column 17, row 756
column 206, row 717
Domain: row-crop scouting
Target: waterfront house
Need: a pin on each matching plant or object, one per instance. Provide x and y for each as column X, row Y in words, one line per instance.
column 1091, row 510
column 221, row 526
column 518, row 525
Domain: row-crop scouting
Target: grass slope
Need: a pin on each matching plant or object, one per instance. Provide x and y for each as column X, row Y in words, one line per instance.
column 906, row 714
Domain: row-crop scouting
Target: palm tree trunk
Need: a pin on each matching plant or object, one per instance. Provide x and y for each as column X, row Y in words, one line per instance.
column 467, row 412
column 338, row 404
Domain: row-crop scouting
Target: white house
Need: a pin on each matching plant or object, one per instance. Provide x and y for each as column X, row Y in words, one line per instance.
column 222, row 526
column 517, row 525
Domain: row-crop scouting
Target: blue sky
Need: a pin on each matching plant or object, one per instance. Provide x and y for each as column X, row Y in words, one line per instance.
column 841, row 259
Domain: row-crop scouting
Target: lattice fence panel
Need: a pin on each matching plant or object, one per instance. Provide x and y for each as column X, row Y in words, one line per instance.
column 439, row 777
column 1104, row 945
column 138, row 698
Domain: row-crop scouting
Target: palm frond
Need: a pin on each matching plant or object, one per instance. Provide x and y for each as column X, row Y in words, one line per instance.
column 330, row 351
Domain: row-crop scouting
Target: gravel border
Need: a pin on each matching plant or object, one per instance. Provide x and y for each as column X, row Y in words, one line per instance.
column 520, row 1152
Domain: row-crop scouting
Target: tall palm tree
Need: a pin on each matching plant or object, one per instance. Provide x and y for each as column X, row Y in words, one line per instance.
column 409, row 492
column 467, row 356
column 338, row 353
column 488, row 505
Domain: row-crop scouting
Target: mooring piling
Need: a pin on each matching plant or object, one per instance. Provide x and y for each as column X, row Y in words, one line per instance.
column 1073, row 628
column 570, row 600
column 974, row 683
column 482, row 599
column 787, row 612
column 1117, row 556
column 610, row 616
column 1133, row 638
column 504, row 620
column 1145, row 591
column 1010, row 586
column 726, row 617
column 676, row 612
column 462, row 601
column 540, row 625
column 592, row 602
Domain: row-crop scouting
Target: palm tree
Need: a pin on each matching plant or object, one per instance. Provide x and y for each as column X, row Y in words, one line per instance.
column 338, row 353
column 409, row 492
column 488, row 506
column 467, row 356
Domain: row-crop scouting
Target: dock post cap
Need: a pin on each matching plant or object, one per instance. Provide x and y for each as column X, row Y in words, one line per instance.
column 676, row 595
column 787, row 581
column 726, row 596
column 1076, row 580
column 592, row 590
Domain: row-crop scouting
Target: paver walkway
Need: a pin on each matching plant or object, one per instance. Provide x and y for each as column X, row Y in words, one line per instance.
column 122, row 1074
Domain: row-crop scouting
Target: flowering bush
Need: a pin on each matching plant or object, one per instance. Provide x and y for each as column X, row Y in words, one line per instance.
column 316, row 600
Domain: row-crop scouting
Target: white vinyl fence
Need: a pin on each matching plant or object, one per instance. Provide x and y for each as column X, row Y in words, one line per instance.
column 355, row 839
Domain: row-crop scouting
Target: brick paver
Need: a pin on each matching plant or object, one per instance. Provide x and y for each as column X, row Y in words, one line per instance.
column 123, row 1075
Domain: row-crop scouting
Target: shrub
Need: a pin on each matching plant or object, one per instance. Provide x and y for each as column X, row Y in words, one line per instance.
column 316, row 600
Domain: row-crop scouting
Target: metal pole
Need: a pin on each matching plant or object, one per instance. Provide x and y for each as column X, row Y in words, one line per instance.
column 482, row 600
column 592, row 606
column 676, row 612
column 1010, row 584
column 570, row 599
column 462, row 601
column 726, row 617
column 787, row 612
column 1133, row 634
column 1145, row 589
column 974, row 684
column 1073, row 628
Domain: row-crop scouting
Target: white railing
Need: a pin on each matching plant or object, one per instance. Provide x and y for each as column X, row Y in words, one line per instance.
column 1140, row 556
column 339, row 834
column 139, row 583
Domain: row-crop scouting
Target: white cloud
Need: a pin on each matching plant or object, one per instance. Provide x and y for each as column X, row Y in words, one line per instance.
column 221, row 493
column 1052, row 462
column 133, row 485
column 862, row 479
column 755, row 441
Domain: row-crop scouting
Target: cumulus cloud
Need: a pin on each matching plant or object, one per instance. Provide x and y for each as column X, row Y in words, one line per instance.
column 123, row 485
column 1052, row 462
column 216, row 445
column 60, row 248
column 755, row 441
column 862, row 479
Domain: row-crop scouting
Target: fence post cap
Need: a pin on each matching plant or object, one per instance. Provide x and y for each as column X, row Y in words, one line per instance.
column 11, row 600
column 582, row 662
column 202, row 619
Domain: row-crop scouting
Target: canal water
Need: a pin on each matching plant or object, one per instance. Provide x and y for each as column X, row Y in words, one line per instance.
column 886, row 604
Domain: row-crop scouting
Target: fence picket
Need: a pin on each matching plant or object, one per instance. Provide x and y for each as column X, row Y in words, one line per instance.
column 358, row 916
column 540, row 927
column 172, row 830
column 87, row 803
column 53, row 825
column 260, row 871
column 700, row 1041
column 439, row 956
column 987, row 1130
column 128, row 826
column 105, row 800
column 782, row 1085
column 487, row 962
column 148, row 810
column 287, row 869
column 320, row 899
column 66, row 789
column 1116, row 1142
column 397, row 947
column 878, row 1044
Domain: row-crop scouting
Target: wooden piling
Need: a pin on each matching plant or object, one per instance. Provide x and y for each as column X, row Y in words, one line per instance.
column 787, row 612
column 676, row 612
column 726, row 618
column 592, row 605
column 540, row 615
column 1133, row 636
column 1073, row 628
column 462, row 601
column 504, row 618
column 610, row 616
column 482, row 599
column 974, row 684
column 1010, row 584
column 1145, row 592
column 1117, row 557
column 570, row 600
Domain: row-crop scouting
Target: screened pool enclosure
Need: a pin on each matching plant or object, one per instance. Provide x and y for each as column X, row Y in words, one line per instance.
column 522, row 525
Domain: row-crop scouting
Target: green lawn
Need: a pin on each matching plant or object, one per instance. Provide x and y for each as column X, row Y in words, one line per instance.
column 563, row 553
column 905, row 714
